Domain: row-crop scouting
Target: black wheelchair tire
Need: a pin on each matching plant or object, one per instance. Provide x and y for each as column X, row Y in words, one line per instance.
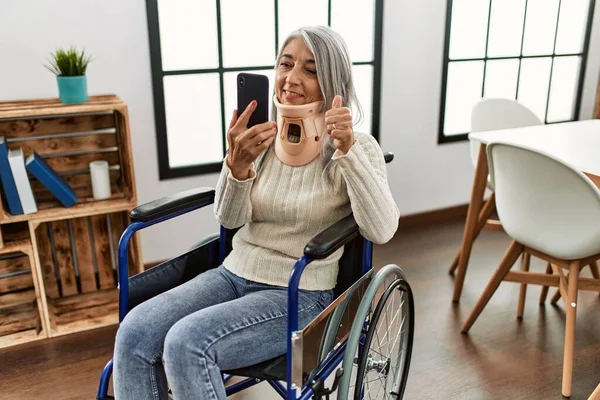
column 398, row 284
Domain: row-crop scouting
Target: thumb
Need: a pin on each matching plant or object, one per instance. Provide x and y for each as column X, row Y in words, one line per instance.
column 233, row 119
column 337, row 102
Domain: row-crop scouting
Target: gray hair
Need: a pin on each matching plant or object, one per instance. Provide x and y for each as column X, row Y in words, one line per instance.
column 333, row 63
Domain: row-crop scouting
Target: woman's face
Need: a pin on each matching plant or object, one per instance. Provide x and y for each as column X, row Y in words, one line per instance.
column 296, row 80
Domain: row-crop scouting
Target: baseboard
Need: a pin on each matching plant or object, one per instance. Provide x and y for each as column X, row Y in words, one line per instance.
column 407, row 221
column 433, row 216
column 152, row 264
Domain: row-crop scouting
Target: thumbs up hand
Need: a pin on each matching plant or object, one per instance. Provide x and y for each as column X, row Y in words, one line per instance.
column 339, row 125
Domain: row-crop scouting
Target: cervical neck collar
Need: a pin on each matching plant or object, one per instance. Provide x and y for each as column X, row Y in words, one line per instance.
column 301, row 129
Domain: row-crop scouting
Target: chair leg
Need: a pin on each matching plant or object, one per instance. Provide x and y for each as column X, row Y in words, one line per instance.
column 484, row 214
column 475, row 205
column 595, row 271
column 512, row 254
column 544, row 292
column 454, row 263
column 571, row 303
column 524, row 267
column 556, row 297
column 593, row 268
column 596, row 394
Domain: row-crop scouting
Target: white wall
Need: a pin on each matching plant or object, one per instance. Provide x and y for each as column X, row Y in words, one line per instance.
column 424, row 176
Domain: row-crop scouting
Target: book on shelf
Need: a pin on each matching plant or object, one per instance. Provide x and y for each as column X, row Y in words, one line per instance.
column 50, row 179
column 17, row 166
column 8, row 182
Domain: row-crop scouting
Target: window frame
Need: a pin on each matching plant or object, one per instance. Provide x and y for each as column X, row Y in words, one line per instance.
column 165, row 170
column 442, row 137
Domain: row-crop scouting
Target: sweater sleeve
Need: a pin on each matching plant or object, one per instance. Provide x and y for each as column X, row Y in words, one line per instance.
column 363, row 169
column 233, row 207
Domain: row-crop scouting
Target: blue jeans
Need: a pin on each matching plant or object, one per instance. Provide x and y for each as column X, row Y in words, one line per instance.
column 187, row 335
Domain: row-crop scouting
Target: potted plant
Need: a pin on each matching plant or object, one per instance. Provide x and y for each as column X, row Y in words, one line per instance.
column 70, row 66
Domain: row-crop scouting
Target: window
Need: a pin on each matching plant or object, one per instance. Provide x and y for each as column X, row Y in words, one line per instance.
column 197, row 48
column 533, row 51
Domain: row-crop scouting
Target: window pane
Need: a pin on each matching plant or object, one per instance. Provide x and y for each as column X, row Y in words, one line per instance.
column 565, row 77
column 294, row 14
column 501, row 78
column 193, row 114
column 468, row 28
column 354, row 20
column 188, row 34
column 533, row 84
column 506, row 28
column 540, row 27
column 571, row 26
column 248, row 34
column 463, row 90
column 363, row 82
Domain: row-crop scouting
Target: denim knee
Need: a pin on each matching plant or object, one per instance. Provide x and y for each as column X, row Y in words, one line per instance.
column 184, row 340
column 135, row 336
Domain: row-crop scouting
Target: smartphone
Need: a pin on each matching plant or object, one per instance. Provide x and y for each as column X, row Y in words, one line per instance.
column 253, row 87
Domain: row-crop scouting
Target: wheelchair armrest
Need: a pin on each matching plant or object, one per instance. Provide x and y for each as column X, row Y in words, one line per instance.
column 332, row 238
column 170, row 204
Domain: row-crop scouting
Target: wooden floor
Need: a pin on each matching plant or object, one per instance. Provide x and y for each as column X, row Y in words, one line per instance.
column 502, row 358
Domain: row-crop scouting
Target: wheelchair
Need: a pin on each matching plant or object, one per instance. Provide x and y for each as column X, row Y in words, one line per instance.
column 363, row 339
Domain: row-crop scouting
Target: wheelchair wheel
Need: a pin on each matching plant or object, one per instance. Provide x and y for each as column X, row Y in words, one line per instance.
column 384, row 361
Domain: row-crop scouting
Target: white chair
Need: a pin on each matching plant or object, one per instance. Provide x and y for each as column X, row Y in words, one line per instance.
column 550, row 210
column 493, row 114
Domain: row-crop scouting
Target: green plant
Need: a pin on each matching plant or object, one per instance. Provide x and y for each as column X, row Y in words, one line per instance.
column 69, row 62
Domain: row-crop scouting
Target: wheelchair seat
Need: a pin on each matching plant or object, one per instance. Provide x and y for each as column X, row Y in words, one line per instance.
column 272, row 370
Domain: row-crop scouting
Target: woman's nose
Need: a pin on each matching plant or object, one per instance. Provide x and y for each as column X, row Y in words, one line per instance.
column 293, row 77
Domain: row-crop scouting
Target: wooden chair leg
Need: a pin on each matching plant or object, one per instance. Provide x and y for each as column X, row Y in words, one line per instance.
column 544, row 292
column 454, row 263
column 593, row 268
column 512, row 254
column 595, row 271
column 484, row 214
column 475, row 206
column 571, row 303
column 556, row 297
column 596, row 394
column 523, row 291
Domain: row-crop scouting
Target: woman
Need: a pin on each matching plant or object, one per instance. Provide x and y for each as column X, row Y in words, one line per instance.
column 281, row 196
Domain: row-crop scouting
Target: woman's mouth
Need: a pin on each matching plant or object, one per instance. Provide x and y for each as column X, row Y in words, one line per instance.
column 289, row 95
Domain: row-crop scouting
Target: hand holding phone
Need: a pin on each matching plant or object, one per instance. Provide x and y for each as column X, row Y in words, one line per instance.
column 250, row 133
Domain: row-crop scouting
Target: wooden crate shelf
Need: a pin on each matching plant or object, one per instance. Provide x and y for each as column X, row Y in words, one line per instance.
column 116, row 203
column 76, row 313
column 65, row 277
column 68, row 143
column 78, row 260
column 20, row 313
column 14, row 238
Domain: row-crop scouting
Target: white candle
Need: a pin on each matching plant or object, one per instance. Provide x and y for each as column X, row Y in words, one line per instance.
column 100, row 179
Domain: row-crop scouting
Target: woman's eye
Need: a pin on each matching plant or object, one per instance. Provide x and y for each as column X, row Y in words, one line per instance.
column 284, row 64
column 311, row 71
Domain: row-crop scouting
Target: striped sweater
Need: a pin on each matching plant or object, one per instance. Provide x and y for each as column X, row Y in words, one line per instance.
column 280, row 208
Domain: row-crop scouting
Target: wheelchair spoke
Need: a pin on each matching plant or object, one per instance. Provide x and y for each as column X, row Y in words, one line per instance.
column 383, row 361
column 388, row 330
column 399, row 355
column 393, row 319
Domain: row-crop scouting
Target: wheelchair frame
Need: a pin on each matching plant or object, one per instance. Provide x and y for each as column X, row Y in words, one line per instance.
column 167, row 208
